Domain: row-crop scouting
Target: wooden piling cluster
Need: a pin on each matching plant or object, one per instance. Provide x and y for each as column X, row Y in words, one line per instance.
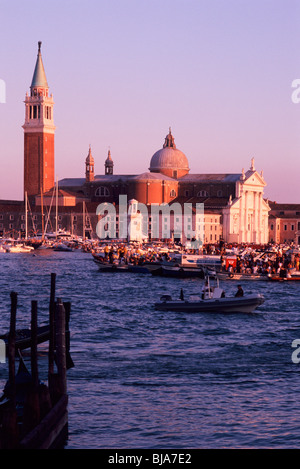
column 43, row 418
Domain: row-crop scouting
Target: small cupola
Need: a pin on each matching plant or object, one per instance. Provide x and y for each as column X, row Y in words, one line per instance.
column 89, row 167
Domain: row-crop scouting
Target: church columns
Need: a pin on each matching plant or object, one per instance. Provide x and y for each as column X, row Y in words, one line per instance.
column 255, row 215
column 260, row 217
column 246, row 221
column 242, row 214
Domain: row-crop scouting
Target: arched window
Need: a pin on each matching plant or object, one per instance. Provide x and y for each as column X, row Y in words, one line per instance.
column 102, row 191
column 172, row 193
column 202, row 194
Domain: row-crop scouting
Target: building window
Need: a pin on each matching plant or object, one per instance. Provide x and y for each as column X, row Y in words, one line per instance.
column 272, row 227
column 175, row 174
column 219, row 193
column 1, row 217
column 11, row 226
column 285, row 227
column 292, row 227
column 102, row 191
column 172, row 193
column 202, row 194
column 186, row 193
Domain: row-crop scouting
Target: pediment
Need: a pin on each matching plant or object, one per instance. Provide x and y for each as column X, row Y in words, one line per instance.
column 254, row 178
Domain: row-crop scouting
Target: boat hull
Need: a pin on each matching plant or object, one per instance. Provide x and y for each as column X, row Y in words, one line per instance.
column 104, row 267
column 295, row 278
column 242, row 277
column 218, row 305
column 178, row 272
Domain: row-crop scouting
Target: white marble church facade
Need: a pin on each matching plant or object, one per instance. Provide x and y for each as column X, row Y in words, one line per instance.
column 245, row 219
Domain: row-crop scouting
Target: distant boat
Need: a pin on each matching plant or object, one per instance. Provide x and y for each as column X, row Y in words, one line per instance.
column 178, row 272
column 19, row 248
column 241, row 277
column 62, row 247
column 277, row 278
column 198, row 261
column 108, row 267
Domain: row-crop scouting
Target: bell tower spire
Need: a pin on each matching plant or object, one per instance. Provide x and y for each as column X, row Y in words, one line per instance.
column 39, row 132
column 109, row 164
column 89, row 167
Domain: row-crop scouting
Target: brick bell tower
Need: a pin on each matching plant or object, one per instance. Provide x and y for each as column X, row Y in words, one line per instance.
column 38, row 133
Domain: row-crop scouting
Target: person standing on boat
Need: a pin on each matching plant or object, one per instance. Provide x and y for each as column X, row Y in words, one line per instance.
column 240, row 291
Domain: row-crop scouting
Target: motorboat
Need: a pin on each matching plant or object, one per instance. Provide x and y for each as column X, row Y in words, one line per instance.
column 19, row 248
column 212, row 300
column 62, row 247
column 107, row 266
column 199, row 261
column 241, row 276
column 178, row 272
column 278, row 278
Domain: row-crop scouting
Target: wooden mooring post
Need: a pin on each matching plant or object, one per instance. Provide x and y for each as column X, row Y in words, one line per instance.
column 31, row 413
column 9, row 434
column 45, row 416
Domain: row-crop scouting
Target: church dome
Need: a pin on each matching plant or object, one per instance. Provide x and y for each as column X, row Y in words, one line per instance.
column 169, row 160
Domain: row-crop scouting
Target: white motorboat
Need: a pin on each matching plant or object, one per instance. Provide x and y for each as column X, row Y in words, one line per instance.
column 19, row 248
column 213, row 299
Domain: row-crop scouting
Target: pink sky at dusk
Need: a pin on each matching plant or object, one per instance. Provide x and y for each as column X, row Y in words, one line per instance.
column 219, row 73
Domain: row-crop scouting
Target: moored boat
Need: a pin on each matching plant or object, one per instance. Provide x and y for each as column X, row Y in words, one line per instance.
column 109, row 267
column 19, row 248
column 178, row 272
column 277, row 278
column 241, row 277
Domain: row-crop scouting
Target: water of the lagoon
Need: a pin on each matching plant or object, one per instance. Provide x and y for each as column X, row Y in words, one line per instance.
column 149, row 379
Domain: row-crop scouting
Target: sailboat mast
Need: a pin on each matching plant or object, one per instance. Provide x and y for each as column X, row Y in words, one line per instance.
column 26, row 216
column 83, row 221
column 42, row 209
column 56, row 216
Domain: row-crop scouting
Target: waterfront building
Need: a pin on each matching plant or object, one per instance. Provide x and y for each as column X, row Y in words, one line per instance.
column 284, row 223
column 234, row 206
column 234, row 201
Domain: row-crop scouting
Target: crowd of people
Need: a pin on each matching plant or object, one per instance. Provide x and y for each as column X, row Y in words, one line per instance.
column 279, row 262
column 269, row 259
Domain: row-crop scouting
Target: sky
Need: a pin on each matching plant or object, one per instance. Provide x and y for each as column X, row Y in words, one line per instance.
column 219, row 73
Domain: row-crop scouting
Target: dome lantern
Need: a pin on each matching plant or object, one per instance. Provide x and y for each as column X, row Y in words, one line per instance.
column 169, row 160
